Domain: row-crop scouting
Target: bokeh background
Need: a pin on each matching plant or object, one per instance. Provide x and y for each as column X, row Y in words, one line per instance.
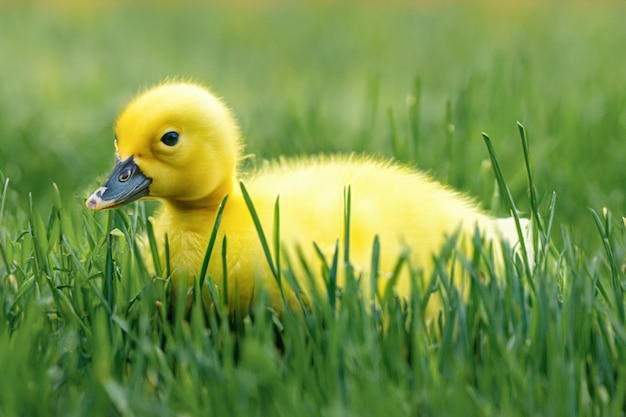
column 417, row 81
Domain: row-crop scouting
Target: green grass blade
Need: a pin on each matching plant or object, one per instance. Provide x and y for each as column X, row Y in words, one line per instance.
column 534, row 203
column 374, row 270
column 108, row 285
column 166, row 247
column 261, row 234
column 3, row 197
column 333, row 276
column 211, row 244
column 347, row 209
column 276, row 238
column 329, row 272
column 154, row 250
column 509, row 198
column 395, row 275
column 225, row 270
column 604, row 228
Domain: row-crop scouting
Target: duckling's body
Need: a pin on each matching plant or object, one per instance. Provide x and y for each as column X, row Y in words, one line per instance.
column 400, row 219
column 192, row 173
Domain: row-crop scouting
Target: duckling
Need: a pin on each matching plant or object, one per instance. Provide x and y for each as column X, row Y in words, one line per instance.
column 180, row 144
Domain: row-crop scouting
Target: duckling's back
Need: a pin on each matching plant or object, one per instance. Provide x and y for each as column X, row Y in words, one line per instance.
column 406, row 209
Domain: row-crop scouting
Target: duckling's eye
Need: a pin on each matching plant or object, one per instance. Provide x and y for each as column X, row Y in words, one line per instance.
column 170, row 138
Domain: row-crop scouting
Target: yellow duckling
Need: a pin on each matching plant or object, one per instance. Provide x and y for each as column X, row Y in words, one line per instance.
column 180, row 144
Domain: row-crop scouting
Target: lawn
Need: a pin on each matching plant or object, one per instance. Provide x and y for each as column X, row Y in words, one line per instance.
column 80, row 330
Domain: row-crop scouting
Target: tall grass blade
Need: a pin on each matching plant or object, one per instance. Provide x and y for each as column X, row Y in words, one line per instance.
column 154, row 250
column 108, row 285
column 3, row 197
column 225, row 270
column 266, row 249
column 211, row 244
column 259, row 229
column 534, row 203
column 276, row 238
column 347, row 209
column 512, row 207
column 374, row 270
column 604, row 228
column 329, row 272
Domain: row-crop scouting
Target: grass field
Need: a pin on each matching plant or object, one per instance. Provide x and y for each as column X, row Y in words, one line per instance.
column 79, row 330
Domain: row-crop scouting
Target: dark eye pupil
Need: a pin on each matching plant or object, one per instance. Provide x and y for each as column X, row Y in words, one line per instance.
column 170, row 138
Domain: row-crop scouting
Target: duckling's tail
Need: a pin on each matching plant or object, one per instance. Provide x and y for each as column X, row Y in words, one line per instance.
column 505, row 230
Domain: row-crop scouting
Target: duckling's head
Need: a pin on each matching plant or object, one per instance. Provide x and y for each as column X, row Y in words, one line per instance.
column 176, row 142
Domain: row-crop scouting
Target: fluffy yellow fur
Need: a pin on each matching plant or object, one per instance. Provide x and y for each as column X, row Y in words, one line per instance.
column 405, row 208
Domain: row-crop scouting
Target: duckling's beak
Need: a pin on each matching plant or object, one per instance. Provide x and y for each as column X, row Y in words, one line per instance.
column 125, row 184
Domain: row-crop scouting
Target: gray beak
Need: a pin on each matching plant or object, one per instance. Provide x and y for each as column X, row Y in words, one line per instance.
column 125, row 184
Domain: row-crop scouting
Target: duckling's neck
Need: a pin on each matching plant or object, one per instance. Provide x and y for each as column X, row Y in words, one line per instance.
column 187, row 216
column 210, row 202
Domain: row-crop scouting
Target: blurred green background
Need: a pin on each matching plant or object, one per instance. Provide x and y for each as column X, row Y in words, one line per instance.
column 305, row 78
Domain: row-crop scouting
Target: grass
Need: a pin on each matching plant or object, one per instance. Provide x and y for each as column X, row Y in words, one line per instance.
column 80, row 330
